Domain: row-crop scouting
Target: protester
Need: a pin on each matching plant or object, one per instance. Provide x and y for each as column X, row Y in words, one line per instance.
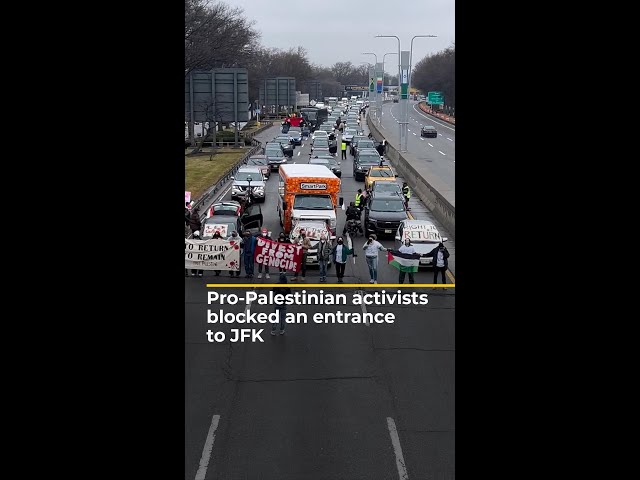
column 281, row 310
column 248, row 248
column 324, row 255
column 306, row 245
column 267, row 235
column 194, row 220
column 340, row 254
column 234, row 236
column 196, row 236
column 282, row 238
column 217, row 235
column 371, row 249
column 409, row 249
column 440, row 262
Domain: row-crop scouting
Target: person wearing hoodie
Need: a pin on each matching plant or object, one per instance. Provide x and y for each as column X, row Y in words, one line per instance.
column 281, row 310
column 264, row 234
column 340, row 254
column 440, row 262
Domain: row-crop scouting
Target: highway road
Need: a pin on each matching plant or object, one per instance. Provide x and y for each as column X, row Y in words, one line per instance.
column 323, row 401
column 439, row 154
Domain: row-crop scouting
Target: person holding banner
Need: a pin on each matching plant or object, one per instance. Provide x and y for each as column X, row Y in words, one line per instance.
column 440, row 262
column 217, row 235
column 306, row 245
column 265, row 234
column 194, row 272
column 405, row 263
column 234, row 236
column 282, row 238
column 248, row 248
column 194, row 220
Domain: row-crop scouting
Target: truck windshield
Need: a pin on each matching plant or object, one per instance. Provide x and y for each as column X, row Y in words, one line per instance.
column 313, row 202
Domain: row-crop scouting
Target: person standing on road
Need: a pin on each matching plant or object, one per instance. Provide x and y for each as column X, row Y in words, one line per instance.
column 281, row 310
column 194, row 220
column 324, row 255
column 359, row 203
column 282, row 238
column 409, row 249
column 248, row 249
column 371, row 248
column 306, row 245
column 440, row 262
column 406, row 193
column 217, row 235
column 340, row 254
column 267, row 235
column 194, row 272
column 234, row 236
column 343, row 147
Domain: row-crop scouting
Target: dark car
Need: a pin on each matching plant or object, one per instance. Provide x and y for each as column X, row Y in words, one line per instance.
column 329, row 161
column 305, row 131
column 275, row 155
column 287, row 146
column 295, row 134
column 429, row 131
column 260, row 161
column 395, row 99
column 354, row 143
column 362, row 144
column 383, row 214
column 365, row 159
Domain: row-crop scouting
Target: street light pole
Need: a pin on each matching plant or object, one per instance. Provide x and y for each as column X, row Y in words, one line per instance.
column 383, row 57
column 411, row 53
column 374, row 90
column 399, row 75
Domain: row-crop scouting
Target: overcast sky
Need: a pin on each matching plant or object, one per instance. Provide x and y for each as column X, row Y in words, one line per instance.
column 338, row 31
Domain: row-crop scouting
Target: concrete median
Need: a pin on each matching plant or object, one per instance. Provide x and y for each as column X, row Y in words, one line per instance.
column 430, row 189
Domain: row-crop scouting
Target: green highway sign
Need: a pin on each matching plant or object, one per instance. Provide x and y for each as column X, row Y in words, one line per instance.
column 435, row 98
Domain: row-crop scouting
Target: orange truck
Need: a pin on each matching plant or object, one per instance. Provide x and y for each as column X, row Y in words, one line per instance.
column 307, row 192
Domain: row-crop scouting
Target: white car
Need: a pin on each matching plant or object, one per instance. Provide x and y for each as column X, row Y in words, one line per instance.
column 424, row 237
column 319, row 133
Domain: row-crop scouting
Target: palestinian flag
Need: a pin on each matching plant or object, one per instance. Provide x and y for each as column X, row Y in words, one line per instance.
column 405, row 262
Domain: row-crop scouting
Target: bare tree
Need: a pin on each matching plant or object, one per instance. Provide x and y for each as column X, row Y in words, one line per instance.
column 216, row 35
column 437, row 73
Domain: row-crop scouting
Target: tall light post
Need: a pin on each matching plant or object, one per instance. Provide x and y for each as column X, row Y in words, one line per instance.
column 376, row 57
column 411, row 53
column 368, row 64
column 383, row 57
column 400, row 124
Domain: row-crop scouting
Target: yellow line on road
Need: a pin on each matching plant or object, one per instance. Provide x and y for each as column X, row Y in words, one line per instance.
column 331, row 285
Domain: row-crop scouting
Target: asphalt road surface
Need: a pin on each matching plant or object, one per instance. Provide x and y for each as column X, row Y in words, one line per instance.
column 439, row 154
column 323, row 401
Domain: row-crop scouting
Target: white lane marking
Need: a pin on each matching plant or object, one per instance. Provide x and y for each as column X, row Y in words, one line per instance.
column 442, row 153
column 303, row 145
column 430, row 144
column 397, row 449
column 413, row 133
column 208, row 446
column 432, row 120
column 449, row 139
column 298, row 153
column 422, row 139
column 223, row 194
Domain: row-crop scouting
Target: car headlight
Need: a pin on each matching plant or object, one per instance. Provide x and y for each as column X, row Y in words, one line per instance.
column 258, row 189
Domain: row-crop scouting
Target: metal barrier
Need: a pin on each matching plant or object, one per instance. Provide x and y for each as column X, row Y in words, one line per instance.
column 210, row 194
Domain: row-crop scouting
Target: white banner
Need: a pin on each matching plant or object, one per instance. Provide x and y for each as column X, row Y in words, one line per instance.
column 211, row 228
column 213, row 254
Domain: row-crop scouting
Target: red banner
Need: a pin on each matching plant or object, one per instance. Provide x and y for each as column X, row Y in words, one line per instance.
column 278, row 255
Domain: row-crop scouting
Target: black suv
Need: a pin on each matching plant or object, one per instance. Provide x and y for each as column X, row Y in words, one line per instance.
column 365, row 159
column 285, row 142
column 383, row 214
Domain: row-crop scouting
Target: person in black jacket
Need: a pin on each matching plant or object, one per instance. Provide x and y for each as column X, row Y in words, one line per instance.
column 282, row 238
column 281, row 310
column 440, row 262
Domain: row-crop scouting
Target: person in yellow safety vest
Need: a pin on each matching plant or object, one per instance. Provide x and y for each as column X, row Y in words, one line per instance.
column 359, row 199
column 406, row 193
column 343, row 147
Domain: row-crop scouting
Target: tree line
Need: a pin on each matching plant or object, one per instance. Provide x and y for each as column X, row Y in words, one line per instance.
column 218, row 35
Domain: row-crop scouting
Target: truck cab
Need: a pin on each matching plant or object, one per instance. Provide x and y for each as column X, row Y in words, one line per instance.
column 308, row 192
